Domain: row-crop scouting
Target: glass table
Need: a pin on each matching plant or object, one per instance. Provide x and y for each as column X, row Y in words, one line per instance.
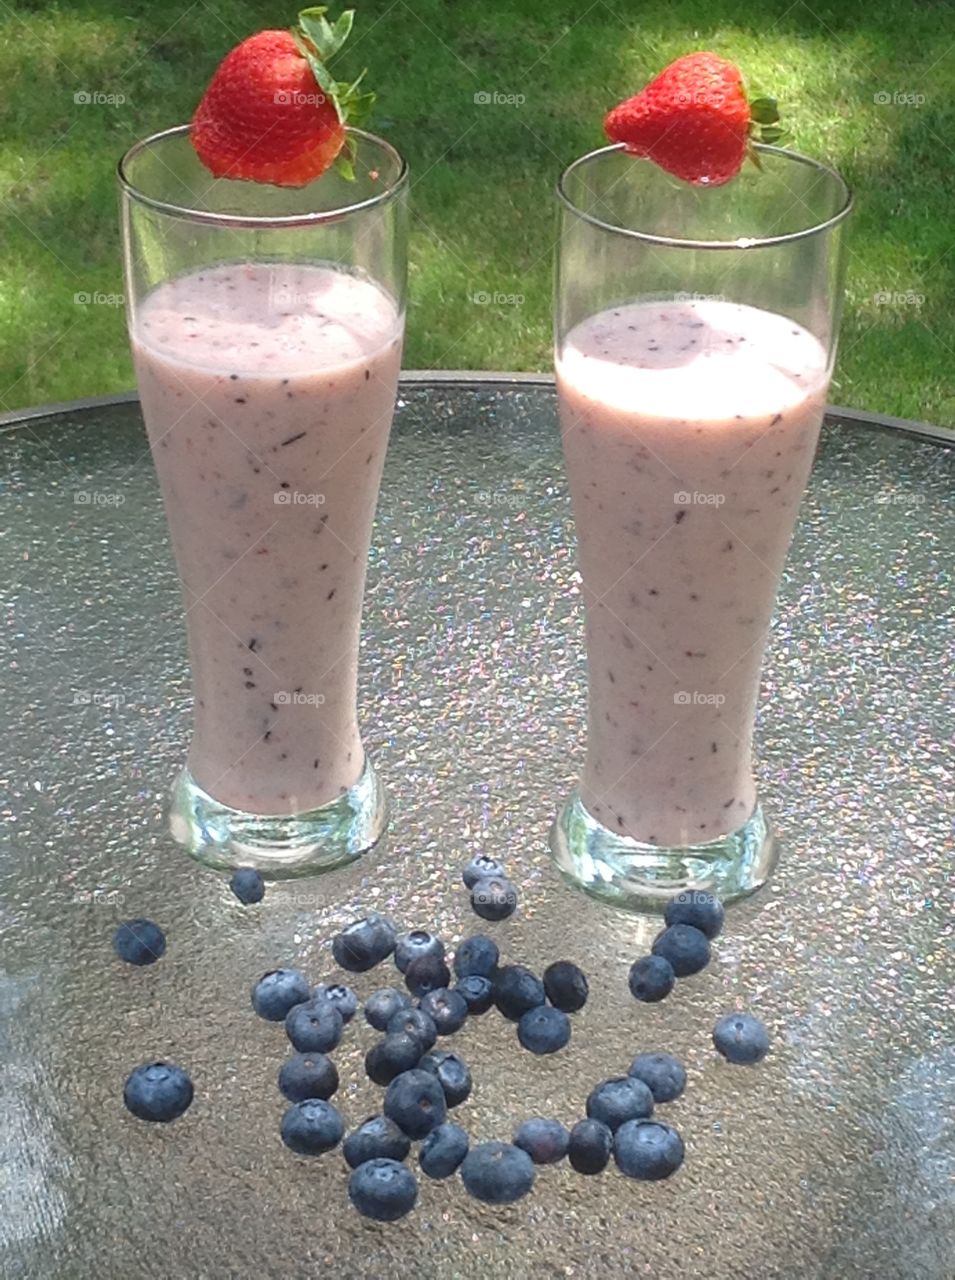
column 834, row 1158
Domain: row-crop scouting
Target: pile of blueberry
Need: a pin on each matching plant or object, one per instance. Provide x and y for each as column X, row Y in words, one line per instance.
column 423, row 1083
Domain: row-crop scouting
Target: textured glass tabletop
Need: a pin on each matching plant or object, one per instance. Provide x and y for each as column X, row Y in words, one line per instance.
column 834, row 1159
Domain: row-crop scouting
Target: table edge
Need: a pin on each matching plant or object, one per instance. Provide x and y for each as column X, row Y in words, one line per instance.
column 837, row 415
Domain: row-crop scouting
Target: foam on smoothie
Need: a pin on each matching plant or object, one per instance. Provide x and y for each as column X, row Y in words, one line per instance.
column 706, row 360
column 261, row 318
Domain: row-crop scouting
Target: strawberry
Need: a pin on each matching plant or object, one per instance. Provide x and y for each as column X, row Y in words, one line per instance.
column 694, row 120
column 273, row 113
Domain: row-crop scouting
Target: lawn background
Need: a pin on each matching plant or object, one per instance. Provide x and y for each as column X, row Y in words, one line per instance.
column 868, row 85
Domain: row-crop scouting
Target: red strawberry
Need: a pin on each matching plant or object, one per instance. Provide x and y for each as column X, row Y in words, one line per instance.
column 272, row 112
column 693, row 120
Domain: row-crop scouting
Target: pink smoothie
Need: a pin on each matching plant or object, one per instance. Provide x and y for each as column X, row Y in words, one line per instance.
column 689, row 431
column 268, row 392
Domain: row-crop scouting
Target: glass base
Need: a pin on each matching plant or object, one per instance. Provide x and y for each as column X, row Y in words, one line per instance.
column 285, row 845
column 643, row 877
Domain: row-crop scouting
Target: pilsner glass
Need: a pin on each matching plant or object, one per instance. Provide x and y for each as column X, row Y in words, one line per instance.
column 695, row 336
column 266, row 326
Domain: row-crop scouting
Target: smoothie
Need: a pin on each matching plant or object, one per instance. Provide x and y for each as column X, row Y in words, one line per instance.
column 268, row 392
column 689, row 430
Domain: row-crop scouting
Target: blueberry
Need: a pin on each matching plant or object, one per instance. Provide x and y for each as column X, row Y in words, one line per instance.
column 312, row 1127
column 452, row 1073
column 247, row 885
column 343, row 998
column 308, row 1075
column 545, row 1141
column 364, row 943
column 427, row 973
column 702, row 910
column 497, row 1173
column 381, row 1006
column 589, row 1147
column 543, row 1030
column 414, row 945
column 687, row 949
column 414, row 1022
column 278, row 991
column 494, row 898
column 516, row 990
column 449, row 1009
column 383, row 1189
column 477, row 956
column 620, row 1099
column 377, row 1139
column 481, row 867
column 391, row 1056
column 157, row 1091
column 477, row 992
column 443, row 1150
column 415, row 1101
column 647, row 1149
column 741, row 1038
column 566, row 986
column 663, row 1075
column 651, row 979
column 139, row 942
column 314, row 1027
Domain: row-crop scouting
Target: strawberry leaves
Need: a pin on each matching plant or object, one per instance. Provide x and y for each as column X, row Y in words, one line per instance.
column 356, row 106
column 764, row 127
column 319, row 41
column 764, row 110
column 324, row 38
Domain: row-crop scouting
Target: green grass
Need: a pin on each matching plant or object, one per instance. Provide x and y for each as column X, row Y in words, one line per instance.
column 483, row 174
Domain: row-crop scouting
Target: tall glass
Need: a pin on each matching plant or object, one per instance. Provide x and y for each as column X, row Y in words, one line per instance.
column 695, row 336
column 266, row 326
